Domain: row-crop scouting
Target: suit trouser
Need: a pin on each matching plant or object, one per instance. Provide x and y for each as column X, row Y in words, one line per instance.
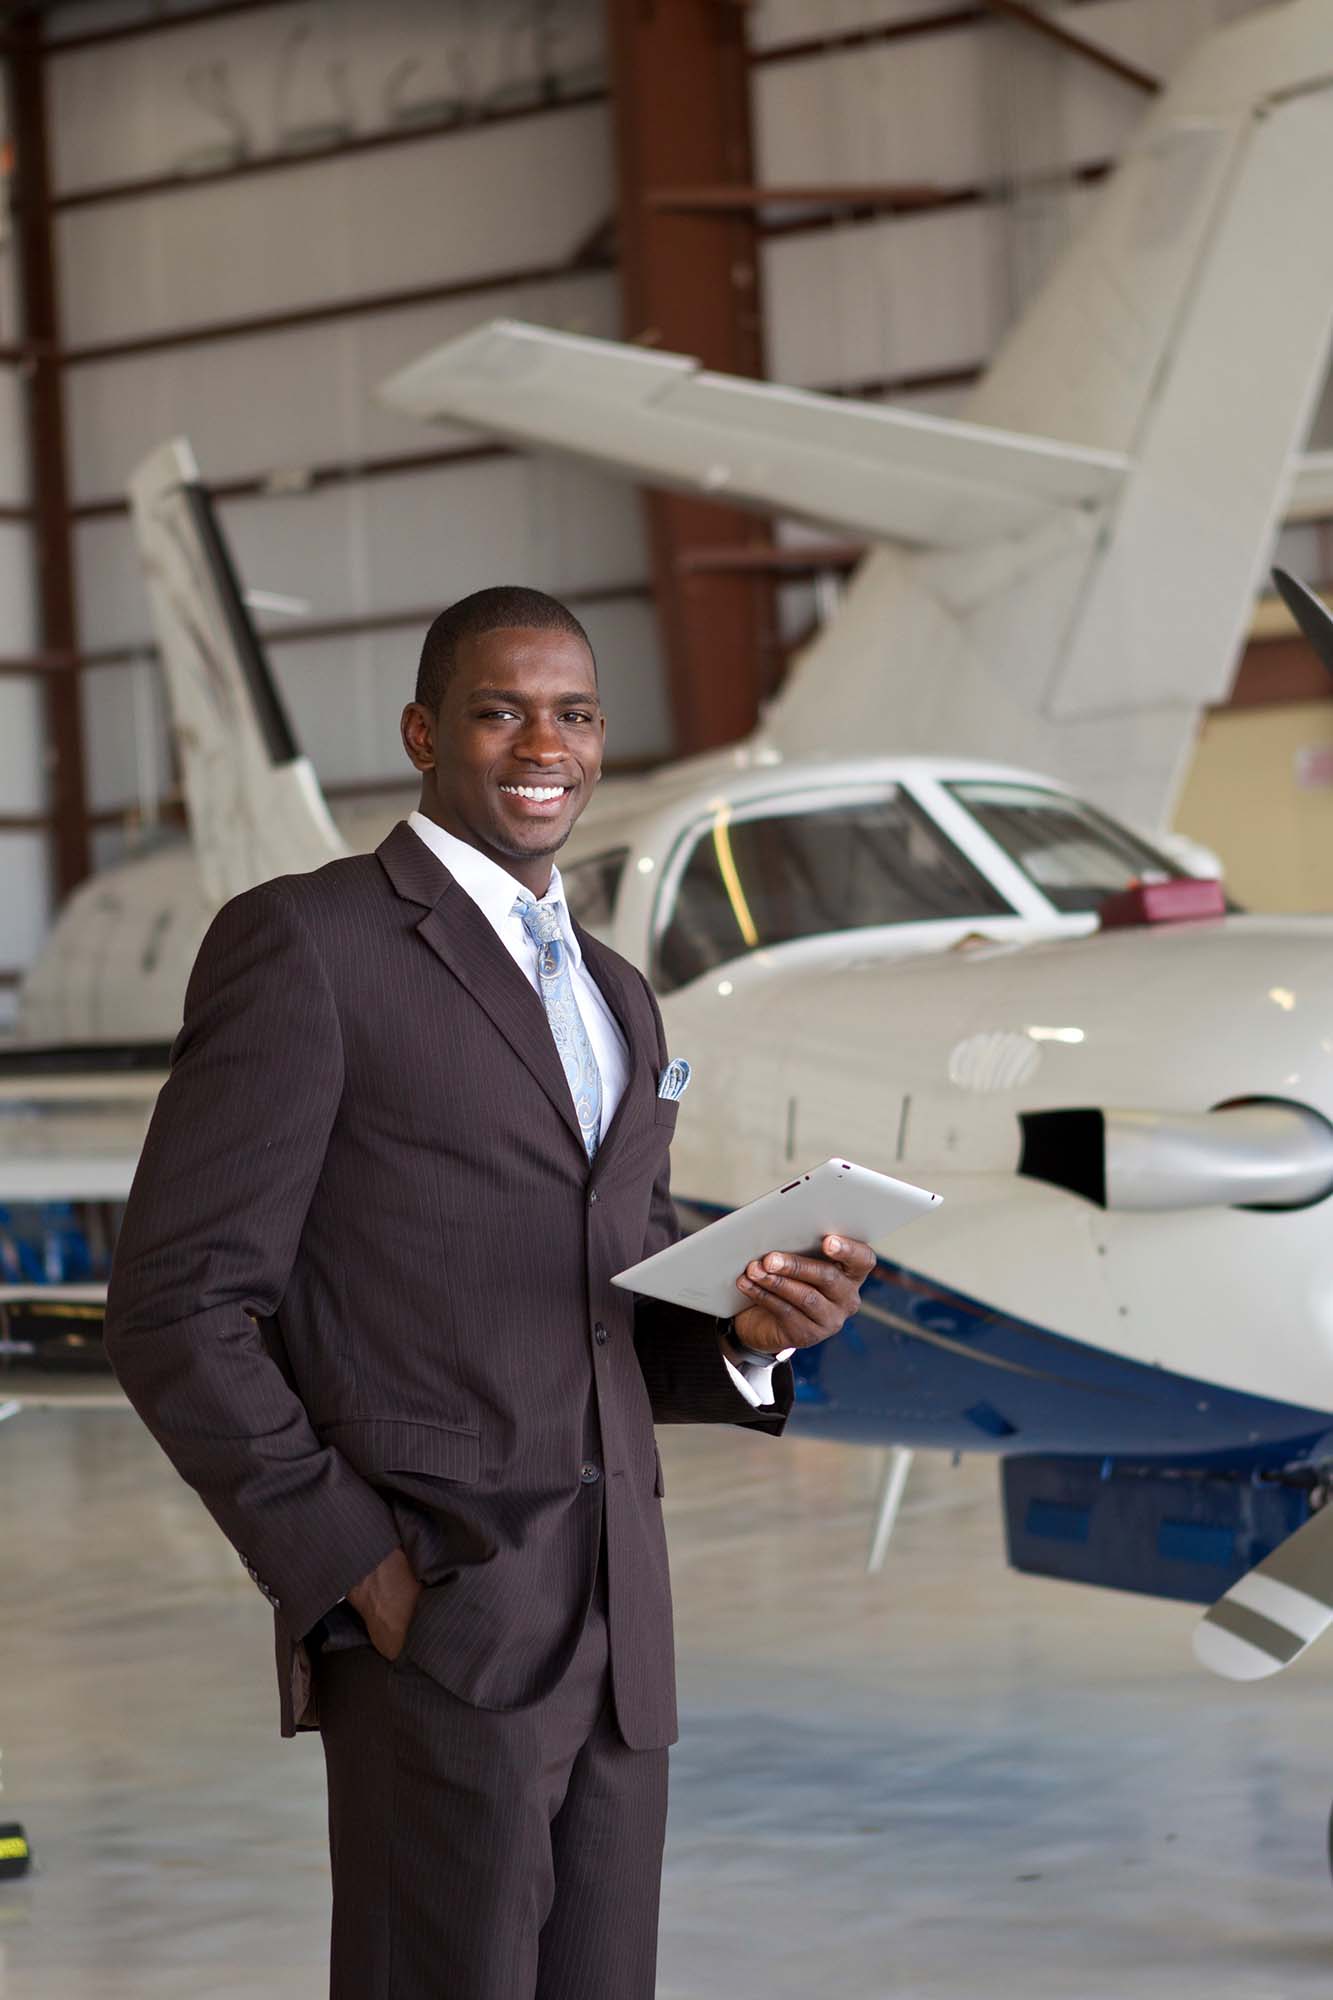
column 484, row 1855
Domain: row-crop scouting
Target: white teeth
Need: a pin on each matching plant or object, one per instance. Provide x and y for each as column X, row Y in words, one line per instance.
column 541, row 792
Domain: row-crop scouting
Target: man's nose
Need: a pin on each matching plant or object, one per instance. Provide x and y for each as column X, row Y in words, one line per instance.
column 540, row 742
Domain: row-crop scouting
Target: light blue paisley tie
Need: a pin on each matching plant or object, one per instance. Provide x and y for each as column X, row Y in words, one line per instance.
column 541, row 921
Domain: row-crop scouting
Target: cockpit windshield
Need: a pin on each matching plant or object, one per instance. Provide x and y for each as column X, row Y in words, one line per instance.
column 765, row 875
column 1072, row 853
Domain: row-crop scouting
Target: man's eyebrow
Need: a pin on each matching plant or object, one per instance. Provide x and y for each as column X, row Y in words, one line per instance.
column 516, row 700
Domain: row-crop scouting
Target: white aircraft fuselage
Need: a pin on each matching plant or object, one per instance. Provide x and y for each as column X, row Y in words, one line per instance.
column 921, row 1048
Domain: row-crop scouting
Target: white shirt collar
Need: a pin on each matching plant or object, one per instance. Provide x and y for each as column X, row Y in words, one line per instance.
column 492, row 888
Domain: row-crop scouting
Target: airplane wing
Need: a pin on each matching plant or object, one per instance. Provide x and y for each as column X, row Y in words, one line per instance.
column 73, row 1133
column 886, row 473
column 72, row 1125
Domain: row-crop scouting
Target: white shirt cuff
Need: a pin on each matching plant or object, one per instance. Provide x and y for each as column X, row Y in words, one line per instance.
column 754, row 1378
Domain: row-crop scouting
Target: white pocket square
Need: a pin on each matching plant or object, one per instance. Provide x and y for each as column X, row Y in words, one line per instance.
column 671, row 1084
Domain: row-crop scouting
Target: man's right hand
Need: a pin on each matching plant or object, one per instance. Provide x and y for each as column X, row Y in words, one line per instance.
column 386, row 1600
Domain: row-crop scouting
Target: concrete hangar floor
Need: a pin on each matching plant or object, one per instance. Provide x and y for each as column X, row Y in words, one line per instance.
column 943, row 1781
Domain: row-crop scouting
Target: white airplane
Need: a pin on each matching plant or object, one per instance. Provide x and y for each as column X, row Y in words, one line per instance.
column 1133, row 1131
column 894, row 951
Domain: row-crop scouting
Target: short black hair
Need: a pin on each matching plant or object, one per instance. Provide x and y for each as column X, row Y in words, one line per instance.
column 492, row 610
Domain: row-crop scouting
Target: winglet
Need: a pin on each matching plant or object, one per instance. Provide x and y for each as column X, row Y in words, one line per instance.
column 255, row 805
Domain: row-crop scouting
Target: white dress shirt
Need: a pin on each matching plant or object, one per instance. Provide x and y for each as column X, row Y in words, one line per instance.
column 495, row 892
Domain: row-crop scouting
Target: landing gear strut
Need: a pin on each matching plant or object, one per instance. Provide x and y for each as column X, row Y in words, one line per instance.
column 896, row 1468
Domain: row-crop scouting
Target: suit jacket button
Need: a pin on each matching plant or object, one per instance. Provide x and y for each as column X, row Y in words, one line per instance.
column 600, row 1334
column 592, row 1194
column 590, row 1474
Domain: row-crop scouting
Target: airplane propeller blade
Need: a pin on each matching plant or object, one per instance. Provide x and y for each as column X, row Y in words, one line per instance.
column 1310, row 613
column 1276, row 1610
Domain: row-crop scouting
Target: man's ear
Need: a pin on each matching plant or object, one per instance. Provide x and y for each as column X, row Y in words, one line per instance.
column 417, row 728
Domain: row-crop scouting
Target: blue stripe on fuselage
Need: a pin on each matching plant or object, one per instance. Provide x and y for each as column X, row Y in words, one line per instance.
column 925, row 1366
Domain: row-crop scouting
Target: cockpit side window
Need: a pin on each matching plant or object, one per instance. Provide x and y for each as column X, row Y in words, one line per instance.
column 591, row 887
column 1074, row 854
column 765, row 880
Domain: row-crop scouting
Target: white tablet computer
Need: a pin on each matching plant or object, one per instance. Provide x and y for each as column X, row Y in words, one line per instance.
column 837, row 1199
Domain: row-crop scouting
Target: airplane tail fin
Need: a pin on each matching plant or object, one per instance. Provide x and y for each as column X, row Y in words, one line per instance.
column 254, row 803
column 1067, row 575
column 1187, row 328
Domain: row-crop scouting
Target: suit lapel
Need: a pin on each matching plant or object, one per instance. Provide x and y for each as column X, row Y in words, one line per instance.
column 459, row 935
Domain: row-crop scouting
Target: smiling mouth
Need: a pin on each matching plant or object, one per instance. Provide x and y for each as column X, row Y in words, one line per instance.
column 540, row 795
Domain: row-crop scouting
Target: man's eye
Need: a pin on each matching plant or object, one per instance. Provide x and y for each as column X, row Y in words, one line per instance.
column 577, row 715
column 495, row 714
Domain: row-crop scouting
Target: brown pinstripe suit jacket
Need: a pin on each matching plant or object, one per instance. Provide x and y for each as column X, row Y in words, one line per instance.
column 359, row 1287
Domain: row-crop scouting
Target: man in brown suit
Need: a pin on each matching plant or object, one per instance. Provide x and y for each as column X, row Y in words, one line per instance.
column 362, row 1298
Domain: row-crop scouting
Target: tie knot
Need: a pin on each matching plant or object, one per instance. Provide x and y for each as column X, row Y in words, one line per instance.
column 541, row 921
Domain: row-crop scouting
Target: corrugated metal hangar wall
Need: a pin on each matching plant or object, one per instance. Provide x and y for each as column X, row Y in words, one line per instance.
column 256, row 214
